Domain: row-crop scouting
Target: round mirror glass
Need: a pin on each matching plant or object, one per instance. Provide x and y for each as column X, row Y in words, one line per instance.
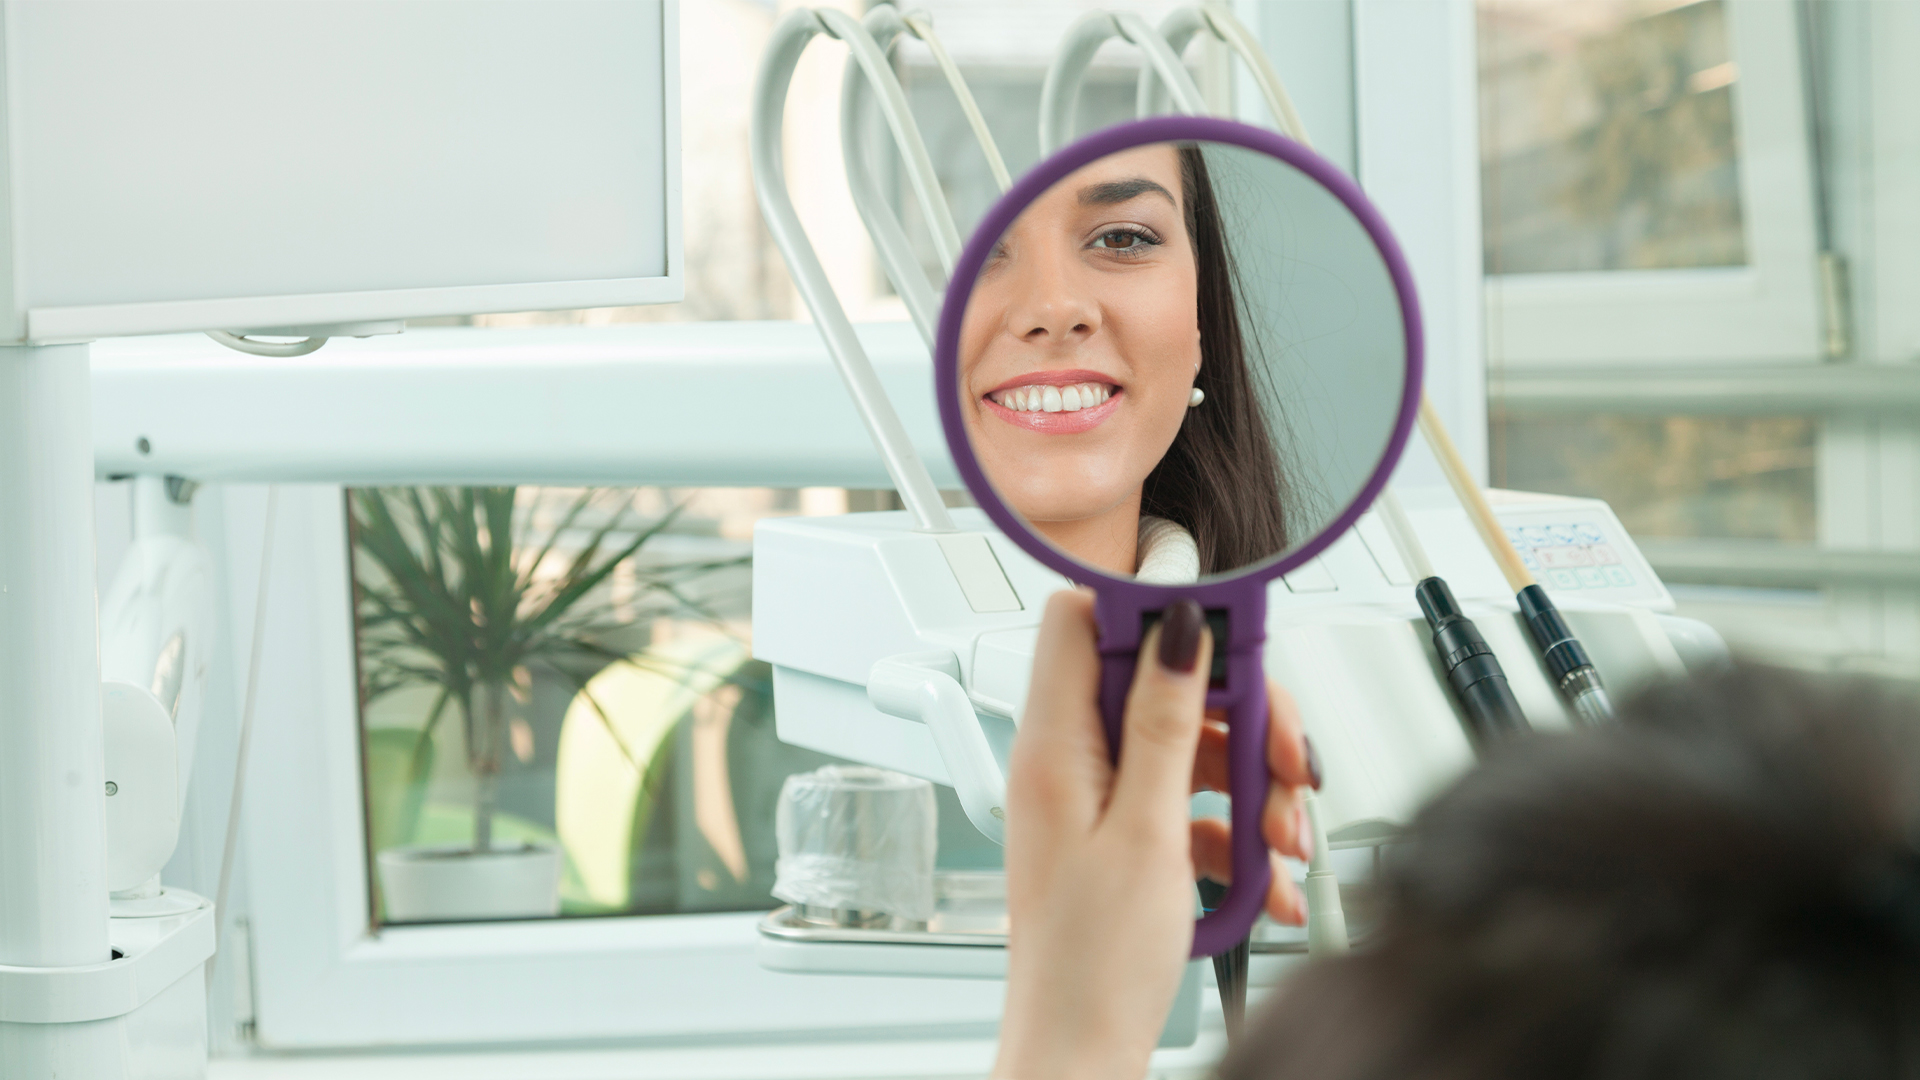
column 1177, row 360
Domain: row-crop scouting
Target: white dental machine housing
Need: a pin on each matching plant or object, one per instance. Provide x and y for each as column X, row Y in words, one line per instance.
column 913, row 651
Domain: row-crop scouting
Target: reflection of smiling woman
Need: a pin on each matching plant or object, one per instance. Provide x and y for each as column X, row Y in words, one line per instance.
column 1110, row 401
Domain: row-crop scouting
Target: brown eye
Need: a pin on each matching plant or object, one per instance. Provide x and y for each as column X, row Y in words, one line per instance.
column 1130, row 241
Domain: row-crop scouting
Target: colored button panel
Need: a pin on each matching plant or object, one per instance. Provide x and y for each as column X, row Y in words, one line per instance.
column 1556, row 558
column 1572, row 555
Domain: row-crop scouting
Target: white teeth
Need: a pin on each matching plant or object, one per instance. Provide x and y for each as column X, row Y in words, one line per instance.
column 1054, row 398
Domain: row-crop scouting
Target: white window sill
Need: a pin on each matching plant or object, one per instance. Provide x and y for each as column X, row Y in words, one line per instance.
column 895, row 1060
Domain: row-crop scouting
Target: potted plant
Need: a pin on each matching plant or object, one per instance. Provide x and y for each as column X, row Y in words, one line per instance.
column 445, row 600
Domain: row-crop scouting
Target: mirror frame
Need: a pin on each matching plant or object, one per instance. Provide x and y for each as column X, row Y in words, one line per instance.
column 946, row 364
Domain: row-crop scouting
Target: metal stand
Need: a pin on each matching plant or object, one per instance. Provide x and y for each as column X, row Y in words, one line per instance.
column 53, row 892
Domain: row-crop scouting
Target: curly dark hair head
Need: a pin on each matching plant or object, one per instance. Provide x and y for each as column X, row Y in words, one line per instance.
column 1725, row 885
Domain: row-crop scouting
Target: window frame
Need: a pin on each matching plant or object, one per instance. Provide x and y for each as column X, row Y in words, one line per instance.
column 325, row 977
column 301, row 964
column 1765, row 312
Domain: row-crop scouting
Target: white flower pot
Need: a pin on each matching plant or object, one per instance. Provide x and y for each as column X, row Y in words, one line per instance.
column 452, row 882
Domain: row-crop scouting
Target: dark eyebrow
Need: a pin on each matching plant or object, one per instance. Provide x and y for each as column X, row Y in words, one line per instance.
column 1119, row 191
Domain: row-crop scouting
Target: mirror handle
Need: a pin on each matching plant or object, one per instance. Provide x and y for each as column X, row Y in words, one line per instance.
column 1246, row 705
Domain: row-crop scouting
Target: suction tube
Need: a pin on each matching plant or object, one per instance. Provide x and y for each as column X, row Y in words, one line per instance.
column 1566, row 659
column 1471, row 667
column 1230, row 967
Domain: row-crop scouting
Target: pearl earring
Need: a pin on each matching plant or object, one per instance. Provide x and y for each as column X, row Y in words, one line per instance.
column 1194, row 399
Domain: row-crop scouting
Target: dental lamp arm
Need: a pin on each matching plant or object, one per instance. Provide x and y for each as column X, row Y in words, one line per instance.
column 790, row 38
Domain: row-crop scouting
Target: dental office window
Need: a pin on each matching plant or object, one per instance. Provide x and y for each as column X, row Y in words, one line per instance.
column 1748, row 478
column 1610, row 148
column 1608, row 136
column 560, row 711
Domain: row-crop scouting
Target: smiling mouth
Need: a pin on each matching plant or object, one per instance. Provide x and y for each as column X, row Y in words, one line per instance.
column 1055, row 408
column 1053, row 399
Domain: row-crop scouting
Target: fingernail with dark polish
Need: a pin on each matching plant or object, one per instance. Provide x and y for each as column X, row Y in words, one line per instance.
column 1313, row 762
column 1180, row 636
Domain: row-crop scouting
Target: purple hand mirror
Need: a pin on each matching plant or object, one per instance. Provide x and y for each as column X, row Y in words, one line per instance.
column 1177, row 360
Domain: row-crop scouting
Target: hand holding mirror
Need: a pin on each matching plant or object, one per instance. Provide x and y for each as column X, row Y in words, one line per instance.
column 1177, row 360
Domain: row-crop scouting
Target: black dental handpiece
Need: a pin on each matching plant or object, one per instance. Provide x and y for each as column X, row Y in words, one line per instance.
column 1567, row 662
column 1472, row 669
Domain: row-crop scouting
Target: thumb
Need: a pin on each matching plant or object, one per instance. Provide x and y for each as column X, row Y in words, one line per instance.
column 1164, row 710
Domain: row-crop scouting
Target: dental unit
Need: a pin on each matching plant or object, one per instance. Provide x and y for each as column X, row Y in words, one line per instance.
column 905, row 639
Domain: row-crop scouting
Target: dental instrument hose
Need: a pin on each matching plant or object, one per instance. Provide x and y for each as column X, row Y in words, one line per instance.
column 1566, row 660
column 1326, row 925
column 1230, row 967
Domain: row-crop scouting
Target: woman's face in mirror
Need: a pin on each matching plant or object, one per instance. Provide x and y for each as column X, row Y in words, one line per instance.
column 1079, row 348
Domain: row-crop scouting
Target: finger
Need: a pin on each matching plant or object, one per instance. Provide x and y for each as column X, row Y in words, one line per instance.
column 1210, row 758
column 1285, row 903
column 1059, row 767
column 1162, row 725
column 1212, row 850
column 1213, row 858
column 1282, row 822
column 1290, row 754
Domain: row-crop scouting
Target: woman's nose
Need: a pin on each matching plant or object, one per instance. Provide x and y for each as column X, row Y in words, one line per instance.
column 1050, row 306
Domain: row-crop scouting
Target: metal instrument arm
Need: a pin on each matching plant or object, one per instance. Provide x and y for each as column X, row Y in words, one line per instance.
column 1060, row 93
column 790, row 38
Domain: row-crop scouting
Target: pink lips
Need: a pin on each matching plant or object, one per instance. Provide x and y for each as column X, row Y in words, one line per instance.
column 1055, row 423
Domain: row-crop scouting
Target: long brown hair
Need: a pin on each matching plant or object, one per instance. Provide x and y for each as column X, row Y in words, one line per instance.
column 1220, row 480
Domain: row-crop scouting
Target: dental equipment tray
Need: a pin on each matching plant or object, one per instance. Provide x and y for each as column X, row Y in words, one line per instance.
column 970, row 910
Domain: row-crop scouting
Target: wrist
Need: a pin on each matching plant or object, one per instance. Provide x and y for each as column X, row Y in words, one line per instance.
column 1059, row 1041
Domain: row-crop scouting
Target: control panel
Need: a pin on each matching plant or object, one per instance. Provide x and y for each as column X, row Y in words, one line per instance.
column 1576, row 548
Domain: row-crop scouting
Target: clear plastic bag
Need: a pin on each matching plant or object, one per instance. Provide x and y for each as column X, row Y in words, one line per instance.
column 857, row 839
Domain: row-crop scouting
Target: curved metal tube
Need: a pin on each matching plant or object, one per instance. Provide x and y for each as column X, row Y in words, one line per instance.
column 922, row 28
column 885, row 23
column 889, row 238
column 1179, row 29
column 1061, row 91
column 790, row 38
column 1228, row 28
column 868, row 58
